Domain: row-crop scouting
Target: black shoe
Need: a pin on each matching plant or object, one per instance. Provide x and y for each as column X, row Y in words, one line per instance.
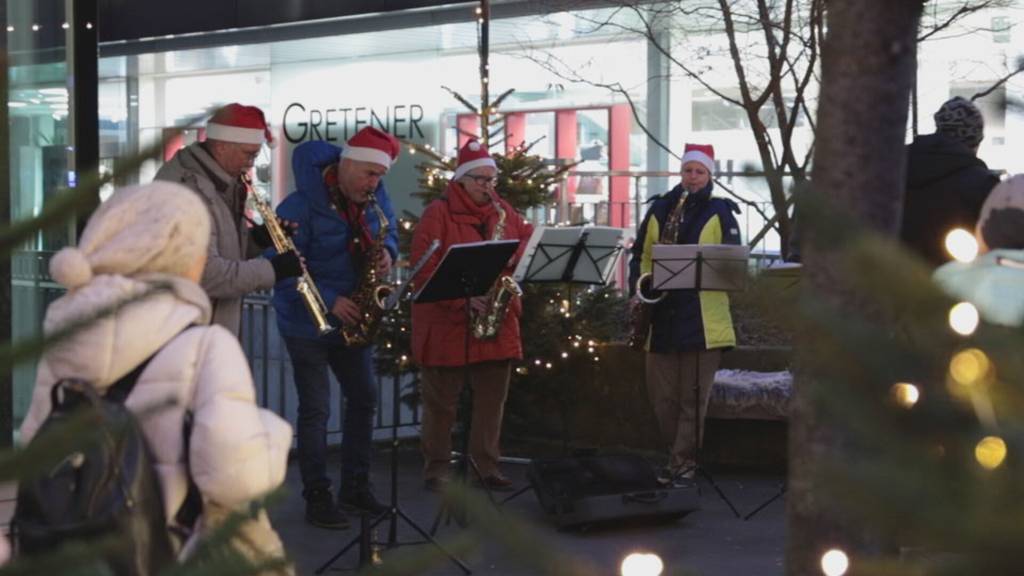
column 322, row 512
column 361, row 500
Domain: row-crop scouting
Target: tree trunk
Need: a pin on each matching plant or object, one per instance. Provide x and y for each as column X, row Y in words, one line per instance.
column 867, row 71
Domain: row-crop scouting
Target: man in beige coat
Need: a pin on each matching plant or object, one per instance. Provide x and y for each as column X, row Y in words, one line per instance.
column 214, row 169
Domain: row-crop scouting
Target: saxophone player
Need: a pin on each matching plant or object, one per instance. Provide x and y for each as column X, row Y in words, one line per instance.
column 469, row 211
column 216, row 169
column 341, row 206
column 688, row 328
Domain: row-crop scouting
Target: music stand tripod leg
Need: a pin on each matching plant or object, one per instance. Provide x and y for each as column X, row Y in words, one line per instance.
column 698, row 467
column 779, row 494
column 465, row 462
column 394, row 511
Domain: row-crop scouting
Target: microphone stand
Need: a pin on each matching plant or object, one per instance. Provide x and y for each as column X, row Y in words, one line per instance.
column 394, row 511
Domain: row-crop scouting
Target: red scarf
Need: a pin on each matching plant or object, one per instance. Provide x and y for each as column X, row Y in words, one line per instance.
column 465, row 211
column 354, row 215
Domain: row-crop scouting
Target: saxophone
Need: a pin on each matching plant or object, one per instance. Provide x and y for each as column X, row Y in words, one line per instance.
column 641, row 311
column 485, row 325
column 372, row 292
column 282, row 243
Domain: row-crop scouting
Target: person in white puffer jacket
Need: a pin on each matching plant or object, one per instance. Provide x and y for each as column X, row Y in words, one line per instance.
column 155, row 236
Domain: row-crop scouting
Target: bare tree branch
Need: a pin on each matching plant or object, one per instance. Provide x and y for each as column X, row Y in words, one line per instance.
column 1000, row 82
column 967, row 8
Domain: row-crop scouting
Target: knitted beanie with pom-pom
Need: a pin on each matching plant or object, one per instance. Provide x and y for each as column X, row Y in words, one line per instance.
column 157, row 227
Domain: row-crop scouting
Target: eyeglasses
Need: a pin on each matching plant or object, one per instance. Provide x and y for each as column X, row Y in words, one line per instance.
column 483, row 180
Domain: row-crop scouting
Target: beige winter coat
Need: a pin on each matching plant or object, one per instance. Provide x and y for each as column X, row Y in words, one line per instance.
column 238, row 451
column 234, row 267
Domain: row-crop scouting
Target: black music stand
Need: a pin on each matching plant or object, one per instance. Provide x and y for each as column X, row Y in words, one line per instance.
column 717, row 267
column 466, row 271
column 570, row 255
column 366, row 526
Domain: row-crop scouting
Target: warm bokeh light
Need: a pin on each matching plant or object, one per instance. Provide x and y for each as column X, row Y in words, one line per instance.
column 835, row 563
column 990, row 452
column 641, row 564
column 969, row 367
column 905, row 394
column 961, row 245
column 963, row 318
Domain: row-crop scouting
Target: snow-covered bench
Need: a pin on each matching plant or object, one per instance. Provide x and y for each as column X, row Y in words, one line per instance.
column 750, row 395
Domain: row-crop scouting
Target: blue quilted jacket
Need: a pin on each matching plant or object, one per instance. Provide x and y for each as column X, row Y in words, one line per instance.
column 322, row 239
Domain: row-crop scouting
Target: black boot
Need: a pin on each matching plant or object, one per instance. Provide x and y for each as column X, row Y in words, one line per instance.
column 358, row 497
column 321, row 510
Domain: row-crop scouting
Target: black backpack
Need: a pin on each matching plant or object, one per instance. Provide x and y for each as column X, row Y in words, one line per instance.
column 106, row 492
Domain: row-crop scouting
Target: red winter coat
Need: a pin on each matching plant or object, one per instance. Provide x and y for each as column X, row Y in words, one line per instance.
column 438, row 328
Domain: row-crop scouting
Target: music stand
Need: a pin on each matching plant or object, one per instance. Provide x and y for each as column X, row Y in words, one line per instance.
column 466, row 270
column 570, row 255
column 395, row 511
column 708, row 267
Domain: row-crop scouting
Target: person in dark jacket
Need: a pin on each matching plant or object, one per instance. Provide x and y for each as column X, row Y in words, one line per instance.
column 946, row 182
column 336, row 229
column 689, row 328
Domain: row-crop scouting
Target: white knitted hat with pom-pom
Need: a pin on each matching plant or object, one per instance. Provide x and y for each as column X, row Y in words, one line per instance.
column 157, row 227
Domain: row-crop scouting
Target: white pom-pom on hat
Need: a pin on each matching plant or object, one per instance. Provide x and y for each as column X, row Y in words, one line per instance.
column 70, row 268
column 472, row 155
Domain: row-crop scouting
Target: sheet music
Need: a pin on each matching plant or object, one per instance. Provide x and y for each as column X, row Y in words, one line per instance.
column 550, row 250
column 724, row 266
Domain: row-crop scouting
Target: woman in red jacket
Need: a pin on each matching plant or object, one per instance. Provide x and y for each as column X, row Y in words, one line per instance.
column 468, row 211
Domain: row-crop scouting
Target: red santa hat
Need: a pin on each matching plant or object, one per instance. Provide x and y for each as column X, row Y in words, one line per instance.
column 703, row 153
column 241, row 124
column 472, row 155
column 372, row 145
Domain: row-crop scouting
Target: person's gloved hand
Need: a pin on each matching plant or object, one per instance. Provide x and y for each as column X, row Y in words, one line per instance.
column 261, row 236
column 286, row 265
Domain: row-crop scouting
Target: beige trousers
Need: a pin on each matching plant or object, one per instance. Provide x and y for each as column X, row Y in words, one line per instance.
column 670, row 388
column 440, row 390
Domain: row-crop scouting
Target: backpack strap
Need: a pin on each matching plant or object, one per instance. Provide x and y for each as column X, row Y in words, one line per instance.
column 192, row 507
column 121, row 389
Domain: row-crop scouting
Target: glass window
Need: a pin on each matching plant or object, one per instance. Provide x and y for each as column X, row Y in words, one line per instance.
column 41, row 156
column 592, row 151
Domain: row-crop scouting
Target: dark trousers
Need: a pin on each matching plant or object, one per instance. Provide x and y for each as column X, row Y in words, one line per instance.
column 354, row 370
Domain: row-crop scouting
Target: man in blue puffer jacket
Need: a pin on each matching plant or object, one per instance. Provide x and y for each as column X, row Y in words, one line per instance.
column 336, row 229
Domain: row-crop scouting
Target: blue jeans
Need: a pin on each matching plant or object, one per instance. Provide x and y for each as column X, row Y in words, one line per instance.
column 354, row 370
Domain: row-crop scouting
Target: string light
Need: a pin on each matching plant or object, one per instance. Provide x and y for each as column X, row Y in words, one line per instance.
column 961, row 245
column 548, row 365
column 537, row 362
column 968, row 368
column 565, row 354
column 835, row 562
column 963, row 318
column 990, row 452
column 641, row 564
column 905, row 394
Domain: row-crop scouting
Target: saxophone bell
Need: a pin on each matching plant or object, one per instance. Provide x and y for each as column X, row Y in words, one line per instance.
column 644, row 281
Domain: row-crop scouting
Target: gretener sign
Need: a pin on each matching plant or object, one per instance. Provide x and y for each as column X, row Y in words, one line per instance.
column 337, row 124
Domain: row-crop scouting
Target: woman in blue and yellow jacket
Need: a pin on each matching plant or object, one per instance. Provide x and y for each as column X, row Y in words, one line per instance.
column 689, row 328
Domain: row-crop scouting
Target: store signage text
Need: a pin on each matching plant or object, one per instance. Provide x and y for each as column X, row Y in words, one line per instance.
column 337, row 124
